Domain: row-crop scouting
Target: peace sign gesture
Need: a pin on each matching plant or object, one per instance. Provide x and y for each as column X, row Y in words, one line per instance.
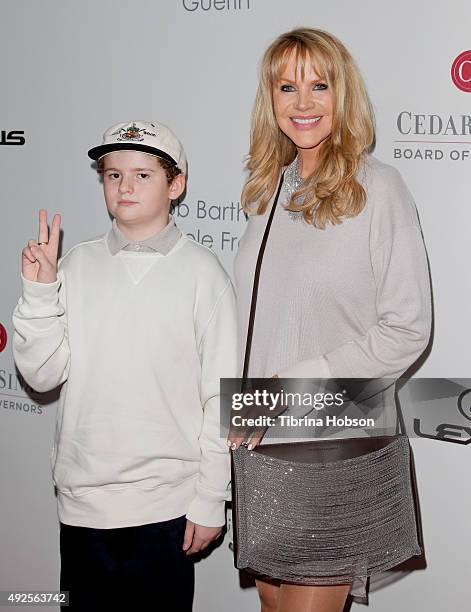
column 39, row 259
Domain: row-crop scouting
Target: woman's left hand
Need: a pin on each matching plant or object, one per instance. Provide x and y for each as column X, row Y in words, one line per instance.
column 251, row 436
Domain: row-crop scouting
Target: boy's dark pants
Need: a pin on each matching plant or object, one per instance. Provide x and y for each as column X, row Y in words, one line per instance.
column 134, row 568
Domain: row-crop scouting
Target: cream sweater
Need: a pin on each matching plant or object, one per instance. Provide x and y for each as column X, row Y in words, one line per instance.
column 350, row 301
column 140, row 342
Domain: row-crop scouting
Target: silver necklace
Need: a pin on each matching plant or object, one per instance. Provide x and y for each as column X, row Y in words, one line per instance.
column 293, row 182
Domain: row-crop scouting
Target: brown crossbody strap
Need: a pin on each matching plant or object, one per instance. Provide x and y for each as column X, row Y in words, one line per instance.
column 253, row 304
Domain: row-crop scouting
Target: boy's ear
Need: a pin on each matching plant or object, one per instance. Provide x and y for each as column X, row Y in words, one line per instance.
column 177, row 186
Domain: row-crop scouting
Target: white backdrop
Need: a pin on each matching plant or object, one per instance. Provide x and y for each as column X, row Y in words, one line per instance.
column 71, row 69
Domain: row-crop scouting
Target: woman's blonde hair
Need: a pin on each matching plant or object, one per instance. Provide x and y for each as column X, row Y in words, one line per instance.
column 333, row 191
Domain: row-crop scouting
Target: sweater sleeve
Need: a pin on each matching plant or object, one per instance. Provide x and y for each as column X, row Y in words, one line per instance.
column 403, row 306
column 401, row 276
column 218, row 355
column 403, row 297
column 40, row 343
column 308, row 368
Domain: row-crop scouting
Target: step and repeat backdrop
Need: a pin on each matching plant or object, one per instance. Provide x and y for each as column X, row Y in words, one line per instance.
column 71, row 69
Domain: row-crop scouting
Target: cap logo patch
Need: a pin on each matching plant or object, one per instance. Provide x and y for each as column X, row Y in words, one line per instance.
column 132, row 133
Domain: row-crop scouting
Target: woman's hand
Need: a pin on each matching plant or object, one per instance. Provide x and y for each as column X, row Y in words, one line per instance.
column 252, row 436
column 252, row 440
column 39, row 259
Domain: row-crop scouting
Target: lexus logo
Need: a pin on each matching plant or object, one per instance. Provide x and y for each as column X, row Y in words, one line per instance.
column 12, row 137
column 464, row 403
column 461, row 71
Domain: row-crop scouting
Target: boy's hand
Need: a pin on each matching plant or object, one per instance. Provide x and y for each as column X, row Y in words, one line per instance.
column 197, row 537
column 39, row 259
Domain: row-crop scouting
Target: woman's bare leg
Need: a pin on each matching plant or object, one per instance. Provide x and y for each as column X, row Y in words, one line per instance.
column 269, row 595
column 299, row 598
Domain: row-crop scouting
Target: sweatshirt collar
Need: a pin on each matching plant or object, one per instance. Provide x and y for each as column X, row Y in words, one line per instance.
column 162, row 242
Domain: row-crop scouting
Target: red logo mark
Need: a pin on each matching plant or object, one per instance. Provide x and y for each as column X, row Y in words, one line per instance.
column 461, row 71
column 3, row 337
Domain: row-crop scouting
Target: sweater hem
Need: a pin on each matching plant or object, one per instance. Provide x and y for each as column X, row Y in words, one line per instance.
column 130, row 507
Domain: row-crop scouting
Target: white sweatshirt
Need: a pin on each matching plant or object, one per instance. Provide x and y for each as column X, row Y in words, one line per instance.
column 140, row 342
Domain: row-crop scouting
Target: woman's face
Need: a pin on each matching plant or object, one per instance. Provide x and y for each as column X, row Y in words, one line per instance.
column 303, row 107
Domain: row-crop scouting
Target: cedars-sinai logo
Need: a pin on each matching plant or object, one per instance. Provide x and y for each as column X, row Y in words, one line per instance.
column 461, row 71
column 3, row 338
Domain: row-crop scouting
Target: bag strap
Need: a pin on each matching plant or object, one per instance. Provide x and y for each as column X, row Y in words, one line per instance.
column 253, row 304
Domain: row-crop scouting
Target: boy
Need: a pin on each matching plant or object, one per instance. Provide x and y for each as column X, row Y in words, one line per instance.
column 139, row 325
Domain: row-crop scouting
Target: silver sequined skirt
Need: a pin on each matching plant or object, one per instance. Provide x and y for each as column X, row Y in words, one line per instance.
column 324, row 522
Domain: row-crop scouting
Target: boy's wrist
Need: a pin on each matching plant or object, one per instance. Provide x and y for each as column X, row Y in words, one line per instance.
column 35, row 283
column 207, row 512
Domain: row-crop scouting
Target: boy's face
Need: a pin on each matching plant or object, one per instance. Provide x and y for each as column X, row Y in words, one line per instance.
column 136, row 190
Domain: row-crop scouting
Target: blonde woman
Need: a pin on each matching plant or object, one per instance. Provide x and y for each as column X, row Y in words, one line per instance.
column 344, row 286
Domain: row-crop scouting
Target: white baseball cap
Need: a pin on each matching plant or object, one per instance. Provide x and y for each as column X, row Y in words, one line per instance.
column 150, row 137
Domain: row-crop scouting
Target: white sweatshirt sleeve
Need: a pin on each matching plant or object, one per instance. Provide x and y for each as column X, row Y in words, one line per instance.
column 40, row 344
column 218, row 354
